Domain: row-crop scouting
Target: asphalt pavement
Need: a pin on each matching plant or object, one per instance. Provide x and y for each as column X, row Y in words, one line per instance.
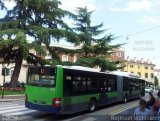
column 12, row 108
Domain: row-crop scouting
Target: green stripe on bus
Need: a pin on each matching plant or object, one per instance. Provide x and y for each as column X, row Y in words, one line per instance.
column 112, row 94
column 78, row 99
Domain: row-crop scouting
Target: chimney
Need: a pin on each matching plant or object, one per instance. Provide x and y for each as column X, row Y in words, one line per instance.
column 134, row 59
column 141, row 60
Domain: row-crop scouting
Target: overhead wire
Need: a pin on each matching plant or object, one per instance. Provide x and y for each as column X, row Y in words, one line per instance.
column 142, row 31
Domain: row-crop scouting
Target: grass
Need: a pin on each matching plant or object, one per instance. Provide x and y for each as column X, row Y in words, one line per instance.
column 10, row 92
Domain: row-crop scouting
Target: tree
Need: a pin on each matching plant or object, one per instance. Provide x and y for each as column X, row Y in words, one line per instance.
column 94, row 50
column 156, row 83
column 39, row 19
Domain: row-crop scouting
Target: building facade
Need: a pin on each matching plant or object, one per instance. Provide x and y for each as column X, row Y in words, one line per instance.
column 145, row 69
column 117, row 55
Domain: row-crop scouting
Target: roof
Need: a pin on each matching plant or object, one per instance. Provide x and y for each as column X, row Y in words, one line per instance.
column 126, row 74
column 82, row 68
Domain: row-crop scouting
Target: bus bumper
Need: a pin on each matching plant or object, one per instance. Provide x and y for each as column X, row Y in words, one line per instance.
column 44, row 108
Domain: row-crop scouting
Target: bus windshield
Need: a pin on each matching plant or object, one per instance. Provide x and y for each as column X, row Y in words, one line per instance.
column 41, row 77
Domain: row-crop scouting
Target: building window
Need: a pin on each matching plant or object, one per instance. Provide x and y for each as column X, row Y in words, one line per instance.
column 132, row 72
column 118, row 54
column 139, row 67
column 139, row 73
column 64, row 57
column 151, row 68
column 152, row 75
column 131, row 66
column 146, row 75
column 146, row 67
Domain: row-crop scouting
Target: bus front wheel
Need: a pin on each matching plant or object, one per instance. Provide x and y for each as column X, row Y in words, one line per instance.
column 92, row 105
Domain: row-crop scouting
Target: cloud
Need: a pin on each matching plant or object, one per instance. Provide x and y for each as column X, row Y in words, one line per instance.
column 71, row 5
column 150, row 20
column 137, row 5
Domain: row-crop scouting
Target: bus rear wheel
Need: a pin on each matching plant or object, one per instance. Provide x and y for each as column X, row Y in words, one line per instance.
column 125, row 99
column 92, row 105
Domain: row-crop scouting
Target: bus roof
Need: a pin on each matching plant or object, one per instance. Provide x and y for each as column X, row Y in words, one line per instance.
column 82, row 68
column 125, row 74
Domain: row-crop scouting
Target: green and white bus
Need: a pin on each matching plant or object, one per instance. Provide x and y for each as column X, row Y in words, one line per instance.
column 71, row 89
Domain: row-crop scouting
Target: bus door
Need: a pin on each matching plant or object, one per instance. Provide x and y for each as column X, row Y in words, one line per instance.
column 103, row 91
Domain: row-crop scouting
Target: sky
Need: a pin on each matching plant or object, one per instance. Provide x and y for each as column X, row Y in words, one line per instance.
column 134, row 22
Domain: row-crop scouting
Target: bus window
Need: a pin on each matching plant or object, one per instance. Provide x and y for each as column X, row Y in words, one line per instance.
column 45, row 79
column 67, row 85
column 125, row 84
column 112, row 83
column 79, row 85
column 92, row 85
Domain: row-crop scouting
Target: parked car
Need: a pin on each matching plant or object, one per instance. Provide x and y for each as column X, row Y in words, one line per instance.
column 149, row 89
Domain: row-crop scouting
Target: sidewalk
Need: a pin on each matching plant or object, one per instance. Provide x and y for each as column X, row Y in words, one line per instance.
column 9, row 98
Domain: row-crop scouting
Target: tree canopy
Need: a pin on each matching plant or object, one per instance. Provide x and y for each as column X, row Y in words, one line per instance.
column 95, row 49
column 38, row 19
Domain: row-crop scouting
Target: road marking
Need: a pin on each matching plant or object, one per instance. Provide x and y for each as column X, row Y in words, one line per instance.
column 8, row 105
column 125, row 109
column 19, row 106
column 122, row 109
column 23, row 112
column 7, row 111
column 90, row 119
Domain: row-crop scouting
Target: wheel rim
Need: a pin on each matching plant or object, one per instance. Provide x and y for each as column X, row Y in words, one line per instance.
column 125, row 100
column 92, row 105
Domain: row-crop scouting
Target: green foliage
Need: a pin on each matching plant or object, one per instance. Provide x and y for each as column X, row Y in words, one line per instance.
column 95, row 50
column 156, row 82
column 40, row 19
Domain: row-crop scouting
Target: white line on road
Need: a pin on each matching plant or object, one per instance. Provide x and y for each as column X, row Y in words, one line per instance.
column 19, row 106
column 7, row 111
column 23, row 112
column 90, row 119
column 8, row 105
column 125, row 109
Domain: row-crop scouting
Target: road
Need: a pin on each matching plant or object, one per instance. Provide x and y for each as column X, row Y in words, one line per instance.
column 16, row 111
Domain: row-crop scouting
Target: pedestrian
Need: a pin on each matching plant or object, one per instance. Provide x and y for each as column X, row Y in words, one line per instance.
column 142, row 113
column 156, row 106
column 151, row 101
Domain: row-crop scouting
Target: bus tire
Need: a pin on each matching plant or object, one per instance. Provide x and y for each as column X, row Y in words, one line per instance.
column 125, row 99
column 92, row 105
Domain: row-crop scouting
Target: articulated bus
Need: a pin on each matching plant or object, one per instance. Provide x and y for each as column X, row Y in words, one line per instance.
column 71, row 89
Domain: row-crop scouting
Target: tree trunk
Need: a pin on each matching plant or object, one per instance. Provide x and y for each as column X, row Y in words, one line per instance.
column 17, row 68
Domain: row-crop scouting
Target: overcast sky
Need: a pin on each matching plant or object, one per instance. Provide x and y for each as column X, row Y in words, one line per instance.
column 135, row 22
